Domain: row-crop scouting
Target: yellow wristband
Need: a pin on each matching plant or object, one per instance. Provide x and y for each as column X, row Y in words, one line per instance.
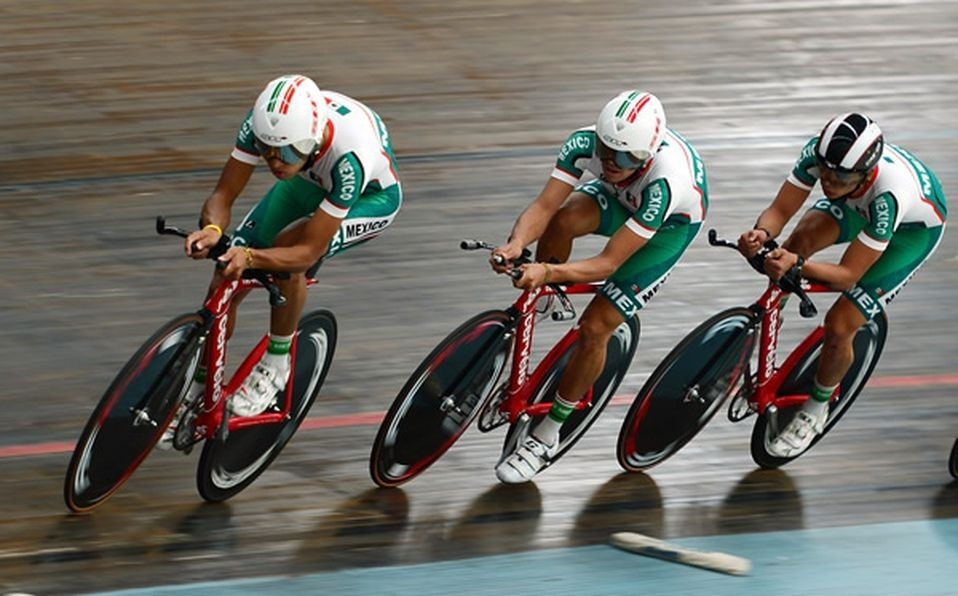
column 249, row 257
column 214, row 227
column 548, row 273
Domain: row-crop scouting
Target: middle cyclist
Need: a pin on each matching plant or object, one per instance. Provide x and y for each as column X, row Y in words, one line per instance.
column 647, row 192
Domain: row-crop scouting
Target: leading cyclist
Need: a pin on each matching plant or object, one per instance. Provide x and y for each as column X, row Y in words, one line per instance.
column 648, row 194
column 887, row 204
column 337, row 187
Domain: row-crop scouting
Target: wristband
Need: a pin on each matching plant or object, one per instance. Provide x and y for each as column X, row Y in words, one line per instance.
column 799, row 263
column 213, row 227
column 249, row 257
column 548, row 273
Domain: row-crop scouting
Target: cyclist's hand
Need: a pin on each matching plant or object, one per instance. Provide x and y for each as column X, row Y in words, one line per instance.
column 533, row 276
column 506, row 254
column 233, row 262
column 751, row 242
column 778, row 262
column 199, row 243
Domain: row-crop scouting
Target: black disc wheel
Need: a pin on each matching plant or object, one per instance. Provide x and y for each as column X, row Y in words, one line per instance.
column 619, row 353
column 686, row 389
column 228, row 466
column 868, row 345
column 133, row 413
column 441, row 398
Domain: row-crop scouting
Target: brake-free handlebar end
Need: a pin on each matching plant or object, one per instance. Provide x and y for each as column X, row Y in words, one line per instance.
column 160, row 224
column 713, row 236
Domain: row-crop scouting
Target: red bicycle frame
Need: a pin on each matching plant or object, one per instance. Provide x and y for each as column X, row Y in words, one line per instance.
column 213, row 413
column 769, row 377
column 521, row 382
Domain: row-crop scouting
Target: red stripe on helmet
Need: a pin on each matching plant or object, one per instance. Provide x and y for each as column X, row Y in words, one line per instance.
column 288, row 96
column 637, row 108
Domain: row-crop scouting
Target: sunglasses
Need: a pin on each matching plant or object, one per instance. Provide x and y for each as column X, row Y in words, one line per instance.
column 835, row 175
column 622, row 159
column 287, row 154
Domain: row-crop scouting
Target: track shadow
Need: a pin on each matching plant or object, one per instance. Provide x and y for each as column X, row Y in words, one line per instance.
column 627, row 502
column 762, row 501
column 361, row 531
column 503, row 519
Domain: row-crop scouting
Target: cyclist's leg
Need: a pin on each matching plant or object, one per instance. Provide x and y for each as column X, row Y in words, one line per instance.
column 908, row 249
column 578, row 216
column 277, row 216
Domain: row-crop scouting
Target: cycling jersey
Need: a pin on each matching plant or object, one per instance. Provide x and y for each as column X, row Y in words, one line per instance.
column 352, row 177
column 902, row 214
column 672, row 188
column 905, row 192
column 665, row 204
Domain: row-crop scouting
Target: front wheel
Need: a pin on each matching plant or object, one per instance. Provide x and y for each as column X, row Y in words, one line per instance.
column 686, row 389
column 868, row 344
column 619, row 353
column 228, row 466
column 133, row 413
column 441, row 398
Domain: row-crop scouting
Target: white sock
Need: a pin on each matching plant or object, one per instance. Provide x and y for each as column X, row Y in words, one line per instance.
column 278, row 360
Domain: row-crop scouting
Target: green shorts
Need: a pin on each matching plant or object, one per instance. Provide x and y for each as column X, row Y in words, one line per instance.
column 637, row 280
column 294, row 199
column 909, row 248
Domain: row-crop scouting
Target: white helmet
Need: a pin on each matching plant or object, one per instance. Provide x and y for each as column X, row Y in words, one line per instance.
column 290, row 112
column 633, row 123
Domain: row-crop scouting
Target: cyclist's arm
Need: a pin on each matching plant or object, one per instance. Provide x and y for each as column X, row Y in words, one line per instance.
column 858, row 258
column 216, row 208
column 533, row 221
column 233, row 179
column 786, row 204
column 622, row 245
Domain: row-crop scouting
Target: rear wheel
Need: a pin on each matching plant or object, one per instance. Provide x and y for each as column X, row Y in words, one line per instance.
column 868, row 345
column 228, row 466
column 619, row 353
column 133, row 413
column 686, row 389
column 441, row 398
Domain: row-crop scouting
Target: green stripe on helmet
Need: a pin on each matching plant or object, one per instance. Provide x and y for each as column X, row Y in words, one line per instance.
column 275, row 95
column 625, row 104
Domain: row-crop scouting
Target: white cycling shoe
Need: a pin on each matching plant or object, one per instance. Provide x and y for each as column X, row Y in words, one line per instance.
column 799, row 434
column 527, row 461
column 259, row 391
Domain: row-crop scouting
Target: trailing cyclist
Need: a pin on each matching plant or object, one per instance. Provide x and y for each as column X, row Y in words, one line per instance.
column 647, row 192
column 887, row 204
column 337, row 187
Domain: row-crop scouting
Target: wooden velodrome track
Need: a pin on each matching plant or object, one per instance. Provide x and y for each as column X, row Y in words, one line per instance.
column 113, row 113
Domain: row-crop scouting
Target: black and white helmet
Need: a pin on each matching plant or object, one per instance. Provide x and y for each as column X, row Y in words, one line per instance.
column 850, row 143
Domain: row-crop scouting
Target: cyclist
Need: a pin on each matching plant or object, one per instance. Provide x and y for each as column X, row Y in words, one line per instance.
column 887, row 204
column 647, row 193
column 337, row 187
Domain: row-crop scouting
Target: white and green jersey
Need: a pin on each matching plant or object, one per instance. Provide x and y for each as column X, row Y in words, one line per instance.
column 357, row 158
column 672, row 188
column 905, row 193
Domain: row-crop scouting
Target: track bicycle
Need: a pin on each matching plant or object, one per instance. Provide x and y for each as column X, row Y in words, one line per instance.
column 147, row 394
column 714, row 361
column 465, row 378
